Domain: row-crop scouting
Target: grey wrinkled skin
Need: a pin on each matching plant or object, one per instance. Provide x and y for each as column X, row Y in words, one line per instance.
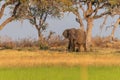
column 76, row 37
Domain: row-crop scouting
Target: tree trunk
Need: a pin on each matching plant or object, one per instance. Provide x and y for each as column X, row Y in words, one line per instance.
column 114, row 28
column 89, row 33
column 39, row 32
column 39, row 36
column 41, row 40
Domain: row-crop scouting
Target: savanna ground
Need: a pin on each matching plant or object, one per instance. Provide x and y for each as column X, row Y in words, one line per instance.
column 34, row 64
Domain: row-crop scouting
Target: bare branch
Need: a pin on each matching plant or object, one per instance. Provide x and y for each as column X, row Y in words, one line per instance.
column 3, row 8
column 99, row 16
column 16, row 7
column 41, row 18
column 35, row 23
column 6, row 22
column 104, row 22
column 10, row 18
column 114, row 28
column 46, row 14
column 82, row 8
column 96, row 9
column 79, row 19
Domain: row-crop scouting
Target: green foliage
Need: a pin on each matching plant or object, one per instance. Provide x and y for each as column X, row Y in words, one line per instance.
column 43, row 47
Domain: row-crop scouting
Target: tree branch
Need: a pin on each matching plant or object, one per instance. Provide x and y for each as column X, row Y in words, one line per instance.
column 3, row 8
column 16, row 7
column 6, row 22
column 96, row 9
column 79, row 19
column 114, row 28
column 103, row 24
column 10, row 18
column 46, row 14
column 35, row 23
column 99, row 16
column 41, row 20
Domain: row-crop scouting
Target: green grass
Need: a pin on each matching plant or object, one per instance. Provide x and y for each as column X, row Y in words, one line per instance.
column 40, row 73
column 60, row 73
column 104, row 73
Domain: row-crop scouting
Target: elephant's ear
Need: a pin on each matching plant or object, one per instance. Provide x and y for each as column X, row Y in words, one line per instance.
column 72, row 34
column 65, row 33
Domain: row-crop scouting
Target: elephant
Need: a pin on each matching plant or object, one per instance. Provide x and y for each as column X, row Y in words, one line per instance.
column 76, row 37
column 69, row 34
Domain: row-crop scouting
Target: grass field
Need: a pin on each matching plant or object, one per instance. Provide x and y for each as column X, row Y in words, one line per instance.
column 41, row 57
column 101, row 64
column 60, row 73
column 40, row 73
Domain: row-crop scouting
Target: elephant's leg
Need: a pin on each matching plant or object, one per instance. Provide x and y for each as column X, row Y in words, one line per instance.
column 84, row 46
column 69, row 46
column 79, row 48
column 73, row 46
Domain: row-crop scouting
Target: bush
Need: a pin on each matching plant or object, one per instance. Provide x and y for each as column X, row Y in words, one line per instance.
column 105, row 42
column 57, row 40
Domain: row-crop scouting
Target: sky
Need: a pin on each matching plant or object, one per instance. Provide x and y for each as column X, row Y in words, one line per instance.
column 16, row 30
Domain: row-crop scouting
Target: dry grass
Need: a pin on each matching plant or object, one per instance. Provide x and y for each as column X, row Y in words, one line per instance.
column 105, row 42
column 38, row 58
column 53, row 41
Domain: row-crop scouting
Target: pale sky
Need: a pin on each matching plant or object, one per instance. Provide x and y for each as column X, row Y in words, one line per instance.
column 20, row 30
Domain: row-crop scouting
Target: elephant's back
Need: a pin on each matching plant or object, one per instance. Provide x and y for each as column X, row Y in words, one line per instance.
column 81, row 36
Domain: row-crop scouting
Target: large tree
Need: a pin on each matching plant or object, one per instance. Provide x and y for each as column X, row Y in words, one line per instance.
column 36, row 11
column 115, row 11
column 90, row 10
